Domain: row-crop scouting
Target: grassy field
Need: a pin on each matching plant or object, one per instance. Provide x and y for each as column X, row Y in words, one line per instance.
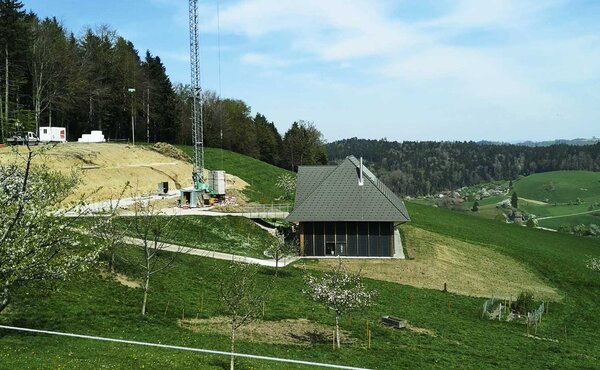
column 560, row 186
column 551, row 196
column 560, row 191
column 262, row 177
column 446, row 329
column 235, row 235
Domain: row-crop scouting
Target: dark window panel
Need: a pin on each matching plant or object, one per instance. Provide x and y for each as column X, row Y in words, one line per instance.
column 319, row 239
column 309, row 238
column 352, row 239
column 363, row 239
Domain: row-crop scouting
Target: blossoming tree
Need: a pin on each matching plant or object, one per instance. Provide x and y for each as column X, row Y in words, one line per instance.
column 37, row 240
column 340, row 291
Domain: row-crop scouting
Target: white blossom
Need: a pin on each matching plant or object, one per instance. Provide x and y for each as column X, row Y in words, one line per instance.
column 340, row 291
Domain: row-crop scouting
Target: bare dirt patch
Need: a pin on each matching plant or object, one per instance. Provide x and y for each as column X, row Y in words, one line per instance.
column 106, row 168
column 422, row 331
column 122, row 279
column 292, row 331
column 468, row 269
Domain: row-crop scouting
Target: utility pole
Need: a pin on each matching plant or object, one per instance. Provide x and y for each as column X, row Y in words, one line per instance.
column 132, row 91
column 148, row 115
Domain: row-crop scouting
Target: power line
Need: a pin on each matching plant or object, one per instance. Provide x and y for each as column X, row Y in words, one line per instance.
column 180, row 348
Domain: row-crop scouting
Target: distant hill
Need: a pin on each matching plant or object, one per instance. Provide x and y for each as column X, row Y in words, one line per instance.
column 579, row 141
column 422, row 168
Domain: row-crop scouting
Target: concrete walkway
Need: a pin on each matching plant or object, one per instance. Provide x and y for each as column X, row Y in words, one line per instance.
column 569, row 215
column 216, row 255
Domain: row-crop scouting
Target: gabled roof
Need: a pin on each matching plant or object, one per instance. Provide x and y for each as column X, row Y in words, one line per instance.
column 333, row 193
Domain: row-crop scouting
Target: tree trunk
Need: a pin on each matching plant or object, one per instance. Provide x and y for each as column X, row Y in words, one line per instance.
column 337, row 330
column 276, row 263
column 5, row 298
column 1, row 120
column 232, row 345
column 111, row 263
column 146, row 286
column 6, row 84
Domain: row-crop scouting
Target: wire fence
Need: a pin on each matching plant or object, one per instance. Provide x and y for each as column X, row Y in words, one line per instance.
column 180, row 348
column 501, row 309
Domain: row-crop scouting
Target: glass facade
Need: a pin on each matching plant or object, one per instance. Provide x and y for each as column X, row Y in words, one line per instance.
column 355, row 239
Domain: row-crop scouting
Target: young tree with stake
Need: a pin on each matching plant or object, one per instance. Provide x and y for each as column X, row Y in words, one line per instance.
column 281, row 249
column 340, row 291
column 151, row 227
column 108, row 230
column 242, row 299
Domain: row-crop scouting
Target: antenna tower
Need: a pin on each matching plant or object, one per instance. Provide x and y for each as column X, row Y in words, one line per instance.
column 197, row 119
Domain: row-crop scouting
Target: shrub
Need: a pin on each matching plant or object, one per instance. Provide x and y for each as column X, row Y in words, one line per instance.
column 524, row 302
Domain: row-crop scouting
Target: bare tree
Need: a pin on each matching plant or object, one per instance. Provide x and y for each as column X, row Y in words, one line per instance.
column 38, row 242
column 241, row 297
column 280, row 249
column 47, row 67
column 109, row 230
column 151, row 227
column 340, row 291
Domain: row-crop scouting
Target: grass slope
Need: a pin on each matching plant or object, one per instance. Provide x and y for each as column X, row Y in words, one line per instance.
column 560, row 186
column 560, row 190
column 455, row 337
column 262, row 177
column 235, row 235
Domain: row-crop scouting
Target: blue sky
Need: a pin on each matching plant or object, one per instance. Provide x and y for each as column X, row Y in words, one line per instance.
column 406, row 70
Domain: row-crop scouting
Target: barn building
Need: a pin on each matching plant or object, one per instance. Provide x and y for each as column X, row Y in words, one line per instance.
column 345, row 210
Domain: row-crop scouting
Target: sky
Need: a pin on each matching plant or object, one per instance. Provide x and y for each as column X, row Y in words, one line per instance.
column 500, row 70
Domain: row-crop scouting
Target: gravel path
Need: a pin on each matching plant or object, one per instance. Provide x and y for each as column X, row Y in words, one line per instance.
column 216, row 255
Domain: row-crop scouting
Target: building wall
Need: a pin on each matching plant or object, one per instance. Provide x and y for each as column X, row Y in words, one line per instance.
column 351, row 239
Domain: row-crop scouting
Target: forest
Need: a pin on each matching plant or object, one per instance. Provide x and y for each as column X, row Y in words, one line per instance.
column 97, row 81
column 422, row 168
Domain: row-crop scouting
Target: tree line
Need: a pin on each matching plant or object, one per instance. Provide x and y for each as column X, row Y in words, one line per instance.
column 98, row 81
column 422, row 168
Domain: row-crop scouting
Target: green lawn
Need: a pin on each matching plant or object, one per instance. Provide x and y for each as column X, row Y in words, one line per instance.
column 560, row 186
column 94, row 305
column 235, row 235
column 585, row 219
column 230, row 234
column 262, row 177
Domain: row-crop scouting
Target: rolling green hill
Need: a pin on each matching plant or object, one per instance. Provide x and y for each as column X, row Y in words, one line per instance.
column 560, row 186
column 262, row 177
column 446, row 330
column 561, row 197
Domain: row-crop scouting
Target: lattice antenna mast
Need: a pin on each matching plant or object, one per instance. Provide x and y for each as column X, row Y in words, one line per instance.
column 197, row 119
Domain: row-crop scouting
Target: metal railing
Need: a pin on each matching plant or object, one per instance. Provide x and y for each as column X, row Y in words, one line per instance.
column 264, row 210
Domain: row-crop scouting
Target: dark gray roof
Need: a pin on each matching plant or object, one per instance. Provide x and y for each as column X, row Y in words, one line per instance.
column 333, row 193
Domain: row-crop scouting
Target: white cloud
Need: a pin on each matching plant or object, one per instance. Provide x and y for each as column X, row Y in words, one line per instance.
column 265, row 61
column 501, row 53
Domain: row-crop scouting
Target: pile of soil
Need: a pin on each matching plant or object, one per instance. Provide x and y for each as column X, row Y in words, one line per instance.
column 169, row 150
